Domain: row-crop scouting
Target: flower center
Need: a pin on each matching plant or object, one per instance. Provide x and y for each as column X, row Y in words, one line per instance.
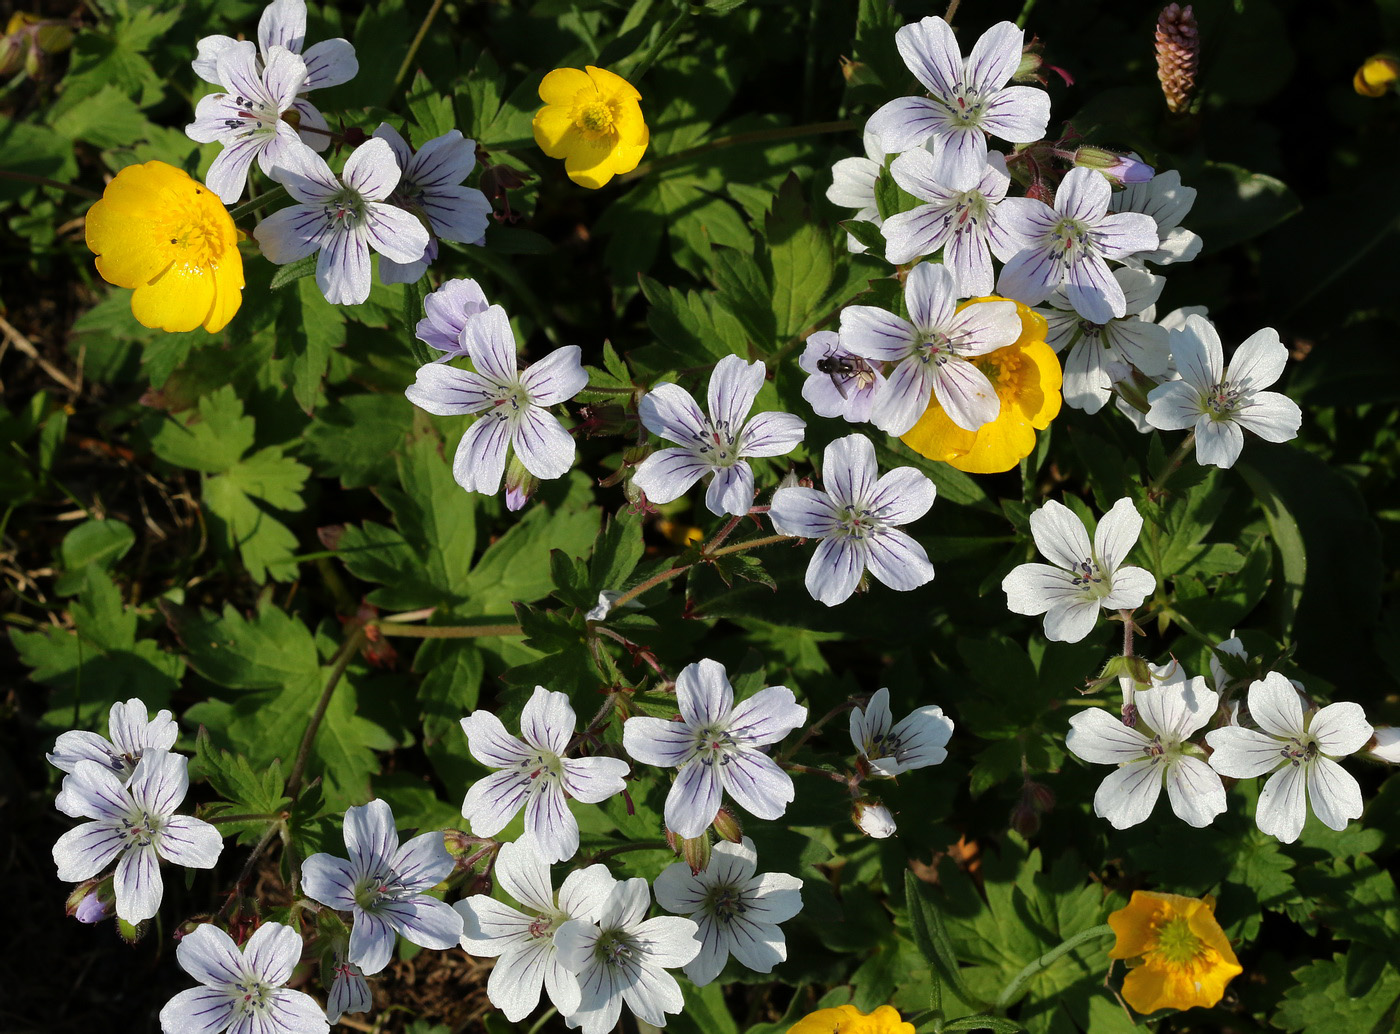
column 1071, row 238
column 1300, row 751
column 1222, row 400
column 541, row 926
column 713, row 743
column 965, row 106
column 139, row 828
column 882, row 745
column 543, row 765
column 718, row 446
column 346, row 209
column 595, row 117
column 938, row 349
column 511, row 402
column 253, row 996
column 254, row 118
column 615, row 948
column 1088, row 577
column 858, row 523
column 375, row 888
column 725, row 902
column 1177, row 944
column 197, row 233
column 971, row 210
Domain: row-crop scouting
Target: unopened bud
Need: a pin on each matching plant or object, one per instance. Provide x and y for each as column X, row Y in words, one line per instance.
column 873, row 819
column 54, row 37
column 132, row 932
column 857, row 73
column 1041, row 191
column 1119, row 168
column 354, row 137
column 696, row 852
column 481, row 883
column 1025, row 820
column 1385, row 745
column 460, row 845
column 12, row 50
column 92, row 901
column 520, row 484
column 1040, row 796
column 1377, row 75
column 726, row 825
column 674, row 842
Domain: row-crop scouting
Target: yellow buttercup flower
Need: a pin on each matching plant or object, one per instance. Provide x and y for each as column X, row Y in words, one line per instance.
column 1377, row 75
column 167, row 235
column 847, row 1019
column 1177, row 954
column 592, row 120
column 1027, row 377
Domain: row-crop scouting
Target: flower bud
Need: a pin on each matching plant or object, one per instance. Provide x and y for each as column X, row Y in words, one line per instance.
column 673, row 842
column 1377, row 75
column 1025, row 820
column 132, row 932
column 1385, row 745
column 54, row 37
column 92, row 901
column 1119, row 168
column 520, row 484
column 727, row 826
column 873, row 819
column 696, row 852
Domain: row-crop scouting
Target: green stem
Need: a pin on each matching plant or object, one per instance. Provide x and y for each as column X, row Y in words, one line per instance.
column 734, row 139
column 417, row 42
column 668, row 35
column 657, row 579
column 739, row 547
column 641, row 845
column 269, row 816
column 448, row 631
column 1018, row 983
column 249, row 207
column 1173, row 462
column 247, row 871
column 338, row 666
column 44, row 181
column 1026, row 9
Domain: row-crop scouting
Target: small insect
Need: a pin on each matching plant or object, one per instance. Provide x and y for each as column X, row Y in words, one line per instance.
column 841, row 368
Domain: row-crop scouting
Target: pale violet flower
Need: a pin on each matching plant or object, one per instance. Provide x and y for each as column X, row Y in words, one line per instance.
column 383, row 886
column 1071, row 244
column 1100, row 353
column 968, row 100
column 523, row 942
column 1220, row 402
column 514, row 406
column 1154, row 751
column 623, row 958
column 874, row 819
column 917, row 741
column 242, row 989
column 133, row 824
column 247, row 119
column 1167, row 202
column 343, row 221
column 933, row 349
column 349, row 992
column 839, row 383
column 968, row 225
column 853, row 186
column 132, row 732
column 1084, row 578
column 1300, row 749
column 737, row 912
column 535, row 775
column 431, row 189
column 446, row 313
column 856, row 518
column 717, row 444
column 716, row 747
column 328, row 63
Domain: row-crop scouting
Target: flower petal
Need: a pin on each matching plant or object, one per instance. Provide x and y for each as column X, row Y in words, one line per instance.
column 556, row 378
column 190, row 842
column 734, row 385
column 1243, row 753
column 756, row 783
column 198, row 1010
column 1334, row 793
column 669, row 474
column 1340, row 729
column 329, row 880
column 492, row 802
column 1060, row 536
column 1101, row 738
column 138, row 884
column 1195, row 791
column 1282, row 807
column 835, row 570
column 731, row 491
column 766, row 717
column 1128, row 794
column 694, row 799
column 896, row 560
column 670, row 411
column 655, row 741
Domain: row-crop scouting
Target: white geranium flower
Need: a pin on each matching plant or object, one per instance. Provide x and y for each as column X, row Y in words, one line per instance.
column 853, row 186
column 856, row 518
column 737, row 912
column 242, row 989
column 933, row 350
column 523, row 942
column 1167, row 202
column 1301, row 750
column 1084, row 578
column 623, row 960
column 343, row 221
column 874, row 819
column 968, row 100
column 383, row 886
column 132, row 732
column 839, row 382
column 513, row 406
column 1101, row 352
column 535, row 775
column 247, row 118
column 1072, row 244
column 283, row 24
column 431, row 189
column 1153, row 752
column 918, row 741
column 1219, row 402
column 717, row 444
column 716, row 747
column 966, row 224
column 135, row 825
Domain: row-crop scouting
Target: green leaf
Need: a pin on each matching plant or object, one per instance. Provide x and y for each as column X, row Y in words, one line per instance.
column 436, row 515
column 355, row 438
column 431, row 109
column 314, row 328
column 211, row 439
column 931, row 936
column 271, row 477
column 705, row 1011
column 985, row 1021
column 265, row 545
column 94, row 543
column 451, row 685
column 268, row 650
column 617, row 553
column 294, row 271
column 1235, row 205
column 868, row 234
column 1320, row 1004
column 106, row 118
column 799, row 262
column 1292, row 552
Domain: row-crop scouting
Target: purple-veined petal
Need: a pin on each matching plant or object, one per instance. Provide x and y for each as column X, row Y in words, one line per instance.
column 370, row 836
column 970, row 258
column 804, row 512
column 1118, row 236
column 349, row 994
column 1145, row 345
column 1092, row 290
column 480, row 460
column 491, row 928
column 198, row 1010
column 283, row 24
column 1271, row 415
column 313, row 129
column 694, row 799
column 731, row 491
column 550, row 823
column 490, row 743
column 896, row 560
column 160, row 782
column 209, row 955
column 1083, row 195
column 1034, row 588
column 680, row 892
column 86, row 850
column 1199, row 358
column 284, row 74
column 923, row 735
column 291, row 233
column 556, row 378
column 734, row 385
column 329, row 880
column 594, row 780
column 655, row 741
column 853, row 182
column 901, row 496
column 849, row 470
column 81, row 745
column 491, row 345
column 137, row 883
column 372, row 171
column 1176, row 710
column 931, row 52
column 756, row 783
column 422, row 863
column 457, row 213
column 709, row 961
column 931, row 294
column 295, row 1012
column 1275, row 707
column 95, row 791
column 1117, row 533
column 1243, row 753
column 995, row 57
column 394, row 233
column 1060, row 536
column 766, row 717
column 1101, row 738
column 1195, row 791
column 964, row 155
column 1175, row 406
column 1334, row 793
column 1282, row 807
column 704, row 695
column 342, row 267
column 517, row 978
column 1019, row 114
column 906, row 122
column 983, row 327
column 669, row 474
column 448, row 391
column 443, row 161
column 493, row 801
column 670, row 940
column 547, row 721
column 228, row 173
column 208, row 49
column 424, row 921
column 272, row 953
column 1218, row 442
column 1031, row 274
column 330, row 63
column 1128, row 794
column 876, row 334
column 188, row 841
column 965, row 394
column 311, row 181
column 920, row 231
column 371, row 942
column 771, row 434
column 544, row 447
column 835, row 570
column 903, row 398
column 1340, row 729
column 1130, row 587
column 584, row 891
column 914, row 171
column 1070, row 622
column 668, row 410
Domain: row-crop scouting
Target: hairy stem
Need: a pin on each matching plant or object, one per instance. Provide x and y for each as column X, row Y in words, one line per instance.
column 667, row 37
column 1013, row 989
column 417, row 42
column 733, row 140
column 447, row 631
column 249, row 207
column 338, row 666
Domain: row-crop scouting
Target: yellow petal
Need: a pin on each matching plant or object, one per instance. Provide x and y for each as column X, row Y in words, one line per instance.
column 227, row 274
column 630, row 127
column 1132, row 926
column 844, row 1019
column 554, row 130
column 562, row 86
column 611, row 85
column 589, row 163
column 181, row 298
column 130, row 250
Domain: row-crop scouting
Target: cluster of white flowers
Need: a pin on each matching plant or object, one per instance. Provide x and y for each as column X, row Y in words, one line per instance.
column 389, row 199
column 1294, row 742
column 1056, row 252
